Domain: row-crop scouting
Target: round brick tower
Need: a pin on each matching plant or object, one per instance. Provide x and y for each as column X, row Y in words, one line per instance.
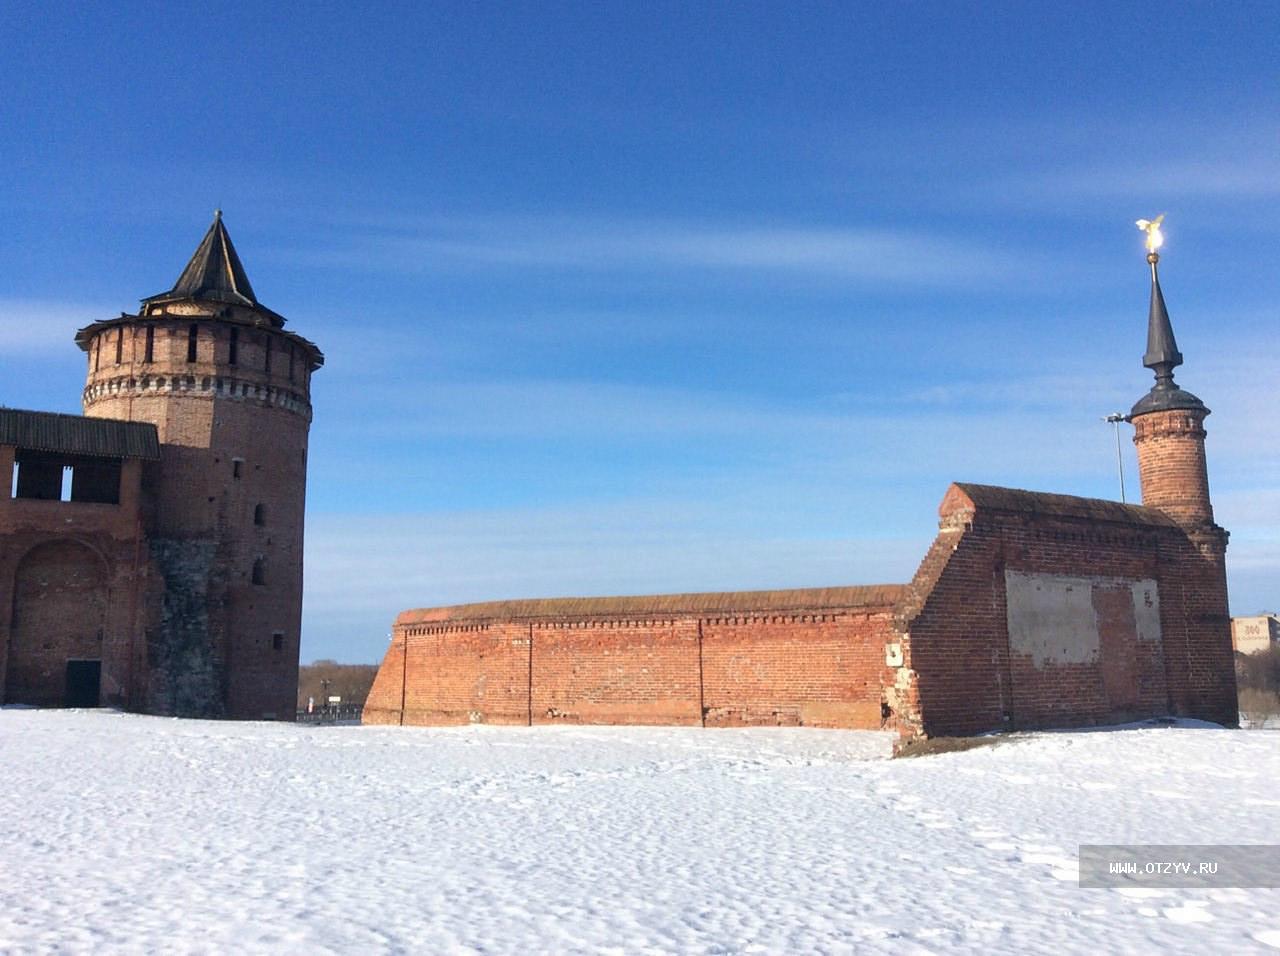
column 1169, row 434
column 228, row 389
column 1169, row 428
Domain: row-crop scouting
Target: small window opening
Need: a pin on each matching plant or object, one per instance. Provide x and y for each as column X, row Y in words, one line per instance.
column 266, row 360
column 149, row 354
column 96, row 480
column 259, row 572
column 193, row 340
column 119, row 345
column 277, row 641
column 259, row 515
column 291, row 363
column 50, row 477
column 237, row 466
column 233, row 352
column 97, row 352
column 39, row 476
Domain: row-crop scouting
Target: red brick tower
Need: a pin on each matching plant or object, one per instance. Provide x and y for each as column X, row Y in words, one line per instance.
column 1169, row 435
column 229, row 392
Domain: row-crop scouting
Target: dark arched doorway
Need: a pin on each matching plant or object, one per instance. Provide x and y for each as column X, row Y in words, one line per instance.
column 56, row 631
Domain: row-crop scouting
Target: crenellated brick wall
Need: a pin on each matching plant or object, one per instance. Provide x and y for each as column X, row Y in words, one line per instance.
column 719, row 660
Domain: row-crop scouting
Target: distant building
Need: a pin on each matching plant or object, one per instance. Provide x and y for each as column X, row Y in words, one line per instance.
column 151, row 551
column 1030, row 610
column 1251, row 635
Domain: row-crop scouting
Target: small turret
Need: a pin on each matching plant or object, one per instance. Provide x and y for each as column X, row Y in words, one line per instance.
column 1169, row 421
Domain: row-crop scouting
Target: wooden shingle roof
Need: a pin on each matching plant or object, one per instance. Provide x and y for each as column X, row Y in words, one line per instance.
column 78, row 435
column 725, row 602
column 995, row 498
column 214, row 273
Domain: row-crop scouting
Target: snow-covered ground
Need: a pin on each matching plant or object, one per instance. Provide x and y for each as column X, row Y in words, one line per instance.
column 121, row 833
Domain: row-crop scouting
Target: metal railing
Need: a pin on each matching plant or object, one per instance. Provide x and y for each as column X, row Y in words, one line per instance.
column 332, row 714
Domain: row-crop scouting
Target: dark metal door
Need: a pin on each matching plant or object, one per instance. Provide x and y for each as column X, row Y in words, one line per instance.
column 83, row 681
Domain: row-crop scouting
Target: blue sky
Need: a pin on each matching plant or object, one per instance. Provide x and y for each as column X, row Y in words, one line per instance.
column 630, row 298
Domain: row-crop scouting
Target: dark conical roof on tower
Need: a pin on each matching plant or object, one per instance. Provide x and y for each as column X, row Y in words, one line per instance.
column 1162, row 355
column 215, row 274
column 215, row 271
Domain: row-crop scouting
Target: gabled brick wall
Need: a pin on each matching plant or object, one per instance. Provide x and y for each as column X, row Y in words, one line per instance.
column 972, row 676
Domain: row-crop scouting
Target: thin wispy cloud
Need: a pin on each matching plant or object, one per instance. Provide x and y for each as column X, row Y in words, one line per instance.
column 1123, row 159
column 607, row 414
column 360, row 576
column 1193, row 177
column 34, row 328
column 849, row 254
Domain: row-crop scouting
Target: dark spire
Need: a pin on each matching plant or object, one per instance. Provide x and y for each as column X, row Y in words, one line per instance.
column 214, row 272
column 1162, row 349
column 1162, row 355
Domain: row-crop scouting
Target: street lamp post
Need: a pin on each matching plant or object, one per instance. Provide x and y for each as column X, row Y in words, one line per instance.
column 1115, row 418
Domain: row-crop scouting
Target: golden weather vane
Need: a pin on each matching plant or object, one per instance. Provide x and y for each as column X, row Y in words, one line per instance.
column 1155, row 238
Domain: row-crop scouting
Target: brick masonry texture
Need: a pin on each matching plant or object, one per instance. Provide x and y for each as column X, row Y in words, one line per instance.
column 821, row 667
column 1171, row 462
column 73, row 580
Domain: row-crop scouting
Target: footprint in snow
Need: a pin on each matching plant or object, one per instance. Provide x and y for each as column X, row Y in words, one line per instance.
column 1062, row 867
column 1142, row 892
column 1193, row 911
column 1268, row 937
column 934, row 819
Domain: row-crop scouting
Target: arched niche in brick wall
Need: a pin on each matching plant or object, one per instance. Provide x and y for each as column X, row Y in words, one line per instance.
column 58, row 615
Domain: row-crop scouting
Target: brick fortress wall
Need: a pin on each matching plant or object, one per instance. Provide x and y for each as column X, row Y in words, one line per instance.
column 1030, row 610
column 72, row 586
column 756, row 658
